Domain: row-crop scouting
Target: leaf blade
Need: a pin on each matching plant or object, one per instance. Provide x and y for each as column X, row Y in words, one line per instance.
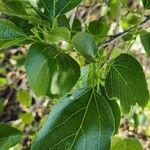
column 114, row 107
column 145, row 40
column 10, row 34
column 121, row 83
column 9, row 136
column 85, row 45
column 49, row 71
column 55, row 8
column 77, row 121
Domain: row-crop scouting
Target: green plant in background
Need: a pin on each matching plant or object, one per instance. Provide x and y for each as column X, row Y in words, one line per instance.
column 90, row 104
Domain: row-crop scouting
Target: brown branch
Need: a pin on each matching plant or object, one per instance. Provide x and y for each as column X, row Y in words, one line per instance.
column 115, row 37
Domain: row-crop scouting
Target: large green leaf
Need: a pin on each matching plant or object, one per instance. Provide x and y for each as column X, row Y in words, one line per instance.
column 9, row 136
column 145, row 39
column 83, row 121
column 146, row 4
column 126, row 82
column 56, row 8
column 49, row 71
column 10, row 34
column 85, row 44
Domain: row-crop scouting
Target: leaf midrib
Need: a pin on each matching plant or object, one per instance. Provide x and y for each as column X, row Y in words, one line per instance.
column 126, row 85
column 80, row 127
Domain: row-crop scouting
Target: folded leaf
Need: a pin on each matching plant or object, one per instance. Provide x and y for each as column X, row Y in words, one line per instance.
column 126, row 82
column 49, row 71
column 9, row 136
column 85, row 44
column 83, row 121
column 10, row 34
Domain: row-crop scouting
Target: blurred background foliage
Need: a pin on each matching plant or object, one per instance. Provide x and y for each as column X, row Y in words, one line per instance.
column 19, row 106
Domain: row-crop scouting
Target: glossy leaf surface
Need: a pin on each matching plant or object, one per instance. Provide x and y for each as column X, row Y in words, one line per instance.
column 49, row 71
column 83, row 121
column 126, row 82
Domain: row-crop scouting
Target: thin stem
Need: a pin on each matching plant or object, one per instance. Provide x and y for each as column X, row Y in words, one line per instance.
column 115, row 37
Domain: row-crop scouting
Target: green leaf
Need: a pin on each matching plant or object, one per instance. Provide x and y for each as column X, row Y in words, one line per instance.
column 23, row 24
column 26, row 118
column 49, row 71
column 132, row 143
column 126, row 144
column 99, row 28
column 83, row 121
column 146, row 4
column 9, row 136
column 24, row 98
column 127, row 37
column 132, row 19
column 126, row 82
column 3, row 81
column 118, row 144
column 85, row 44
column 145, row 39
column 57, row 35
column 114, row 107
column 63, row 21
column 10, row 34
column 112, row 9
column 55, row 8
column 76, row 27
column 21, row 9
column 16, row 6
